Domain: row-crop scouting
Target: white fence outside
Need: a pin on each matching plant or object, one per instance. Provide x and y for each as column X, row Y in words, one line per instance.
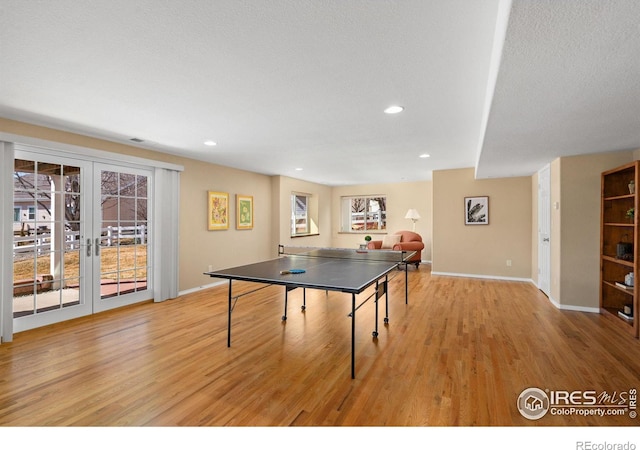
column 115, row 234
column 41, row 242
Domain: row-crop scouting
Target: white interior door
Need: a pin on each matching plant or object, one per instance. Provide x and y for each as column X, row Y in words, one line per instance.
column 544, row 230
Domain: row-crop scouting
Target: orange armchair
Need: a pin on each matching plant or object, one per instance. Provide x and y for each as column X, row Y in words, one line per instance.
column 401, row 240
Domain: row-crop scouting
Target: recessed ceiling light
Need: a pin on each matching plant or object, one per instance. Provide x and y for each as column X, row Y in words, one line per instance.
column 425, row 155
column 394, row 109
column 210, row 143
column 299, row 169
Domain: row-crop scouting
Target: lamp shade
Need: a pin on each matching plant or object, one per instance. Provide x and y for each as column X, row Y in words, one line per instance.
column 412, row 214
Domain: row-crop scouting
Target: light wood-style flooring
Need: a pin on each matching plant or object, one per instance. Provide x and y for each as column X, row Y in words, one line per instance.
column 460, row 353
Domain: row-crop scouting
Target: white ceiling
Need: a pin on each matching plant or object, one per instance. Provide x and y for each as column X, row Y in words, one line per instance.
column 503, row 86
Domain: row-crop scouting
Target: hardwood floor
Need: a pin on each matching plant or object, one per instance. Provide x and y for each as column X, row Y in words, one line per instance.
column 460, row 353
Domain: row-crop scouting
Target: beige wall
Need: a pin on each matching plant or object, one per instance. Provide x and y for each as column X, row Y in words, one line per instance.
column 452, row 246
column 576, row 233
column 482, row 250
column 49, row 134
column 400, row 198
column 320, row 212
column 199, row 248
column 534, row 228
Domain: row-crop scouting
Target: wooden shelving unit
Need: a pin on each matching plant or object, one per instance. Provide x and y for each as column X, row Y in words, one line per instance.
column 619, row 245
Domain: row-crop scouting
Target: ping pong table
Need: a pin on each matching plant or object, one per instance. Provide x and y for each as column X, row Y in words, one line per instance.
column 331, row 269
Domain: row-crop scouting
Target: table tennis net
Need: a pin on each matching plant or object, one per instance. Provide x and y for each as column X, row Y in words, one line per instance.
column 346, row 253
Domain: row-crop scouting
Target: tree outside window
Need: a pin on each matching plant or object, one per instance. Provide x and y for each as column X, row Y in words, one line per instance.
column 364, row 213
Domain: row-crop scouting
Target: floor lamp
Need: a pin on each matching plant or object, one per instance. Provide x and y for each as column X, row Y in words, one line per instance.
column 414, row 216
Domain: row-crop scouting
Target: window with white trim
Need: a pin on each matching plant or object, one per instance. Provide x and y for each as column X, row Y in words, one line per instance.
column 363, row 213
column 299, row 214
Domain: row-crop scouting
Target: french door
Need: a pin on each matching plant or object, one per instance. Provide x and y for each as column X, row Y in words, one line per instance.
column 81, row 238
column 121, row 232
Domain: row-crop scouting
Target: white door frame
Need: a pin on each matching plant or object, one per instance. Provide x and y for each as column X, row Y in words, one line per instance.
column 100, row 304
column 544, row 230
column 166, row 199
column 84, row 295
column 90, row 300
column 6, row 241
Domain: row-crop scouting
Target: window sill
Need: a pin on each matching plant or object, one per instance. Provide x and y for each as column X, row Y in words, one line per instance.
column 363, row 233
column 304, row 235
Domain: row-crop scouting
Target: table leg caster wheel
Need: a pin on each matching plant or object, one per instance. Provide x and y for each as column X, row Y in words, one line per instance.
column 386, row 320
column 303, row 308
column 284, row 318
column 375, row 334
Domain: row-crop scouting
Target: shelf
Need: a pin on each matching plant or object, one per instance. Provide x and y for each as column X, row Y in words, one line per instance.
column 613, row 285
column 614, row 312
column 620, row 197
column 613, row 259
column 617, row 228
column 619, row 224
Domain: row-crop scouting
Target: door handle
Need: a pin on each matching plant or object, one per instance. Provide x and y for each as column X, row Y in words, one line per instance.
column 88, row 247
column 97, row 246
column 545, row 239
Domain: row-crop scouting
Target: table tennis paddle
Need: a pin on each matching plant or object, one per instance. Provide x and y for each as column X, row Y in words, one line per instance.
column 291, row 271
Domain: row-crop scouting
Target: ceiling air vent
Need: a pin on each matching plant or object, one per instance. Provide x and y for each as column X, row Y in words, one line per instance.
column 137, row 140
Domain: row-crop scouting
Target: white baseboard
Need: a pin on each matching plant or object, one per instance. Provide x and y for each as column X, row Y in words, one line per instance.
column 200, row 288
column 485, row 277
column 561, row 307
column 587, row 309
column 558, row 305
column 555, row 303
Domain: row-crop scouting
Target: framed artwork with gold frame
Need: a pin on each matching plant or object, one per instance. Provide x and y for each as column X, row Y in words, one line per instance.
column 218, row 210
column 244, row 212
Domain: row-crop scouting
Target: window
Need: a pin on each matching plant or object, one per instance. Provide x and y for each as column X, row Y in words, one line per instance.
column 299, row 214
column 16, row 214
column 364, row 213
column 32, row 213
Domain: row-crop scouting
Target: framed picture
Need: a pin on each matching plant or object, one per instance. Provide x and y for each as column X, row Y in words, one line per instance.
column 476, row 210
column 244, row 212
column 218, row 210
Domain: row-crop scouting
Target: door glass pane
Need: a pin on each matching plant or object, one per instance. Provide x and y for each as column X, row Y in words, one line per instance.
column 123, row 241
column 46, row 267
column 141, row 186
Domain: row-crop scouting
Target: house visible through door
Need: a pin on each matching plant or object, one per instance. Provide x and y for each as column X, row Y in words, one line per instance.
column 122, row 231
column 81, row 238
